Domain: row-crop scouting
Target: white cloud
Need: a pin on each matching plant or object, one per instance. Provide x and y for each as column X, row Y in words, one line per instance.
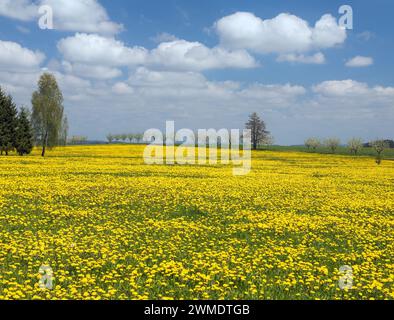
column 317, row 58
column 19, row 84
column 274, row 94
column 97, row 50
column 149, row 97
column 355, row 108
column 192, row 87
column 271, row 98
column 14, row 56
column 94, row 49
column 69, row 15
column 359, row 61
column 164, row 37
column 84, row 16
column 341, row 88
column 25, row 10
column 327, row 33
column 122, row 88
column 22, row 83
column 94, row 72
column 285, row 33
column 167, row 83
column 185, row 55
column 366, row 35
column 357, row 94
column 144, row 77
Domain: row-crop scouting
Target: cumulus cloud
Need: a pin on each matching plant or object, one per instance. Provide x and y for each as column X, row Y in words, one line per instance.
column 185, row 55
column 94, row 49
column 327, row 33
column 122, row 88
column 69, row 15
column 317, row 58
column 341, row 88
column 89, row 71
column 149, row 97
column 144, row 77
column 353, row 89
column 359, row 61
column 285, row 33
column 275, row 94
column 24, row 10
column 196, row 87
column 353, row 100
column 110, row 86
column 352, row 108
column 22, row 83
column 14, row 56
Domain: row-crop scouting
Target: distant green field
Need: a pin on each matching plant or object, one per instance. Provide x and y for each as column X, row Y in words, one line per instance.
column 388, row 153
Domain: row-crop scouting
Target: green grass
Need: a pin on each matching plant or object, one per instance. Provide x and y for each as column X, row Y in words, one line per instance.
column 366, row 152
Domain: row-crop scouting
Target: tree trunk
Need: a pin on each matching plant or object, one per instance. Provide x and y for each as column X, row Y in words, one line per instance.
column 44, row 145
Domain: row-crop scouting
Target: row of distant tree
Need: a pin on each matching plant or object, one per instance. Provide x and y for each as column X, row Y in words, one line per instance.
column 46, row 125
column 76, row 140
column 259, row 134
column 130, row 137
column 355, row 145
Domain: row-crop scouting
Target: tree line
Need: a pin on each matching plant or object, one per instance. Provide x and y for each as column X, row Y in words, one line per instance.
column 45, row 126
column 131, row 137
column 354, row 145
column 259, row 134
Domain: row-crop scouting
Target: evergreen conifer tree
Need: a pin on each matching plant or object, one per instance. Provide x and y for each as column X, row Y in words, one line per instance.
column 24, row 134
column 8, row 123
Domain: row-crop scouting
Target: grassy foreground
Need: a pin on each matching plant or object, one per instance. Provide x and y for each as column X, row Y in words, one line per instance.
column 111, row 227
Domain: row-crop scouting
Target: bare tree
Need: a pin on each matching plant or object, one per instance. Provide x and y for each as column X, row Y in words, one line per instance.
column 259, row 134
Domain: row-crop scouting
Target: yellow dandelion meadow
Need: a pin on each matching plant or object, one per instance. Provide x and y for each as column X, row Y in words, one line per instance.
column 111, row 227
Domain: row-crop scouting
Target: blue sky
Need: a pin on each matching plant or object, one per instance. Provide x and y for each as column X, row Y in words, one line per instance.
column 149, row 77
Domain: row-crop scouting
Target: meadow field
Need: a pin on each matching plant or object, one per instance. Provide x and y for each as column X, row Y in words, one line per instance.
column 341, row 150
column 111, row 227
